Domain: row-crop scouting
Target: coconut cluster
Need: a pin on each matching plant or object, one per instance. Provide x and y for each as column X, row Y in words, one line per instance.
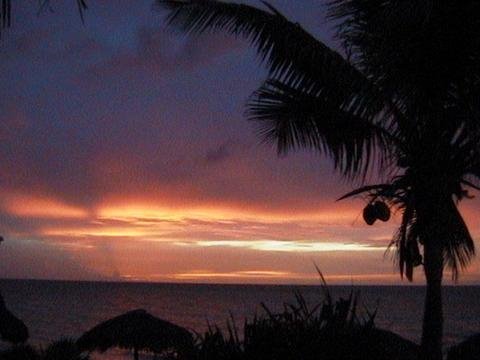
column 374, row 211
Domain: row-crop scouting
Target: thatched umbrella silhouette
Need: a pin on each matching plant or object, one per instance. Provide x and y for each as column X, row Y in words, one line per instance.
column 12, row 329
column 137, row 330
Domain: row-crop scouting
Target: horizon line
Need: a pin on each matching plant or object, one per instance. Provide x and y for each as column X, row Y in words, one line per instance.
column 144, row 282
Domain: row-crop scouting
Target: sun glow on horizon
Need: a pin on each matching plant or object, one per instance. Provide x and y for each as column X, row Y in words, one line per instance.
column 262, row 277
column 289, row 246
column 141, row 242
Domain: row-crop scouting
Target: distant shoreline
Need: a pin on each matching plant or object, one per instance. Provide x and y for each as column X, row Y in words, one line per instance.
column 286, row 285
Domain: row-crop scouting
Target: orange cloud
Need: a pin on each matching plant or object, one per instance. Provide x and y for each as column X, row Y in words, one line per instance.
column 138, row 241
column 136, row 211
column 82, row 232
column 40, row 207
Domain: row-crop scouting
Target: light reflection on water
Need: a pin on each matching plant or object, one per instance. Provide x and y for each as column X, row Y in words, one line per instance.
column 53, row 310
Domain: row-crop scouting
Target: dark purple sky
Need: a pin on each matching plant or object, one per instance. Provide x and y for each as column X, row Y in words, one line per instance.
column 125, row 155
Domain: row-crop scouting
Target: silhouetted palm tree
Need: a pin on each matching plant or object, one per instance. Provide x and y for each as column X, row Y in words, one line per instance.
column 401, row 100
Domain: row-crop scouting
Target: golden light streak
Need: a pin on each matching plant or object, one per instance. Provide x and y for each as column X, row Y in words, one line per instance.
column 262, row 275
column 289, row 246
column 234, row 274
column 135, row 212
column 95, row 232
column 144, row 212
column 74, row 245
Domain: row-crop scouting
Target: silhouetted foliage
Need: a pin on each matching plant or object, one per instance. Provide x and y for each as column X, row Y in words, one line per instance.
column 65, row 349
column 466, row 350
column 20, row 352
column 398, row 102
column 330, row 330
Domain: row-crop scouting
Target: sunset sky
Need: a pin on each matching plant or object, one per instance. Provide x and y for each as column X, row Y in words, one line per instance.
column 125, row 155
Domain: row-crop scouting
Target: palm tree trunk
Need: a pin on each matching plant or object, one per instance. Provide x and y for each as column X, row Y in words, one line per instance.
column 431, row 346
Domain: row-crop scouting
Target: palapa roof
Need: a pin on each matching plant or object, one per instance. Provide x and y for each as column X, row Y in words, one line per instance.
column 135, row 329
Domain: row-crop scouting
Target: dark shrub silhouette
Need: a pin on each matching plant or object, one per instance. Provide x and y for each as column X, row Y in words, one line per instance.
column 331, row 330
column 64, row 349
column 466, row 350
column 20, row 352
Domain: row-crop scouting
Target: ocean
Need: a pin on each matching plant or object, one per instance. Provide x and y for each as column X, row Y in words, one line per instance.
column 56, row 309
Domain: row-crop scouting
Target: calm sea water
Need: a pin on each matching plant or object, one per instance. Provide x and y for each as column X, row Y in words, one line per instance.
column 53, row 310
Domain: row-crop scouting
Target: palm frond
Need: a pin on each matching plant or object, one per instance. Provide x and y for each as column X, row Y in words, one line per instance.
column 470, row 184
column 293, row 118
column 472, row 165
column 417, row 52
column 82, row 7
column 5, row 14
column 279, row 42
column 292, row 54
column 406, row 242
column 6, row 11
column 459, row 247
column 367, row 189
column 312, row 90
column 447, row 228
